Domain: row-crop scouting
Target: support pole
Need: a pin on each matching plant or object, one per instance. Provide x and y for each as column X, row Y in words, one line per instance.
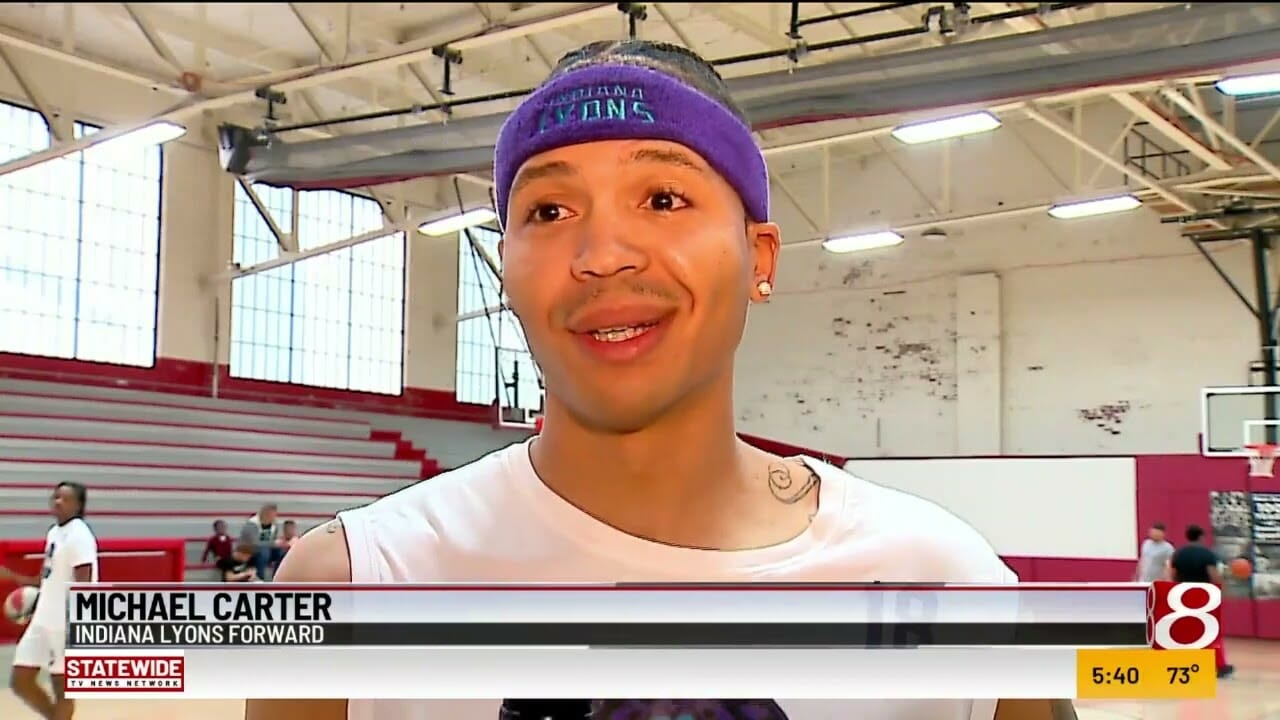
column 217, row 346
column 1261, row 243
column 1264, row 311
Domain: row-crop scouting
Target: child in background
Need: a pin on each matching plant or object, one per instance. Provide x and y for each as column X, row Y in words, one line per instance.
column 238, row 565
column 288, row 536
column 219, row 545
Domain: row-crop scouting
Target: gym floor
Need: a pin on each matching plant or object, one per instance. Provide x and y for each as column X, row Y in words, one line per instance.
column 1253, row 694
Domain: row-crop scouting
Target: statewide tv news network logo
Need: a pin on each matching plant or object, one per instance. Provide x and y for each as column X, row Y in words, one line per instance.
column 1183, row 616
column 125, row 673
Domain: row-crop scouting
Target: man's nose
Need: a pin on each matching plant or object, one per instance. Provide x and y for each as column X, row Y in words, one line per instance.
column 607, row 245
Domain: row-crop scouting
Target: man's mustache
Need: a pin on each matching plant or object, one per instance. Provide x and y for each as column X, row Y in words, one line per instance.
column 618, row 291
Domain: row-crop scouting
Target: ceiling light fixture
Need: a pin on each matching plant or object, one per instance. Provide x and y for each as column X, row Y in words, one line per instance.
column 1096, row 206
column 1249, row 84
column 156, row 133
column 458, row 222
column 865, row 241
column 944, row 128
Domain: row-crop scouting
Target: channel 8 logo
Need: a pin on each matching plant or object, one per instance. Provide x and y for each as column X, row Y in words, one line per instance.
column 1183, row 616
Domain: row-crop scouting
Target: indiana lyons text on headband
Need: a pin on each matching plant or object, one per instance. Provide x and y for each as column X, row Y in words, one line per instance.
column 628, row 102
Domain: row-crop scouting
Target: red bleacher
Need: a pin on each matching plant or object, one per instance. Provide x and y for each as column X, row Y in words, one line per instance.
column 119, row 560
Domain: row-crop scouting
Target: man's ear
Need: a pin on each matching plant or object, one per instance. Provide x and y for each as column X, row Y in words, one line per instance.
column 764, row 241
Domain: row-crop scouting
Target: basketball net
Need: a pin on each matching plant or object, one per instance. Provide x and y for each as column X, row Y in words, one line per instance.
column 1262, row 458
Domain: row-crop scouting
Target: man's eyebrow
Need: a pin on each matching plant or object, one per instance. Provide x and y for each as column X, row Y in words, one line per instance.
column 666, row 157
column 555, row 168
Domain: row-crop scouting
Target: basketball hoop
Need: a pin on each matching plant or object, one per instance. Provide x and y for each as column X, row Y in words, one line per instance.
column 1261, row 459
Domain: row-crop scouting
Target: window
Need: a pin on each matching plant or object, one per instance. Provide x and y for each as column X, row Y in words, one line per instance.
column 490, row 347
column 332, row 320
column 79, row 246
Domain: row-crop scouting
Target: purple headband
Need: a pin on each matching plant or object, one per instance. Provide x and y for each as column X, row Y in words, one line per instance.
column 628, row 102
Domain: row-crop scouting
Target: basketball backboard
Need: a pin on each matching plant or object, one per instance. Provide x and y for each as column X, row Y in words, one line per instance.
column 1235, row 417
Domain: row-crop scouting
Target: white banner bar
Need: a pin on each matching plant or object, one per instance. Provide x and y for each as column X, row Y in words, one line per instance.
column 459, row 674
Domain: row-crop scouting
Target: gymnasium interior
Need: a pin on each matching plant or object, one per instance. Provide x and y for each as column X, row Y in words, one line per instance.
column 248, row 255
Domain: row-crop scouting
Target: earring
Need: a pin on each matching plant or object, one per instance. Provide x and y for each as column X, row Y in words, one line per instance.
column 765, row 288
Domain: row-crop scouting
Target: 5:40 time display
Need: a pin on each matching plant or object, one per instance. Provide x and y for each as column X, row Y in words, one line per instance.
column 1118, row 675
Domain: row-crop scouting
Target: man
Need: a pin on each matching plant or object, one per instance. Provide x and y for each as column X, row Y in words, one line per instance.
column 1196, row 563
column 237, row 567
column 259, row 533
column 70, row 556
column 636, row 235
column 1154, row 556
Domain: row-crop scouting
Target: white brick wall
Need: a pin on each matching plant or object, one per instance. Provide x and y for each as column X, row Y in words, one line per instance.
column 1106, row 330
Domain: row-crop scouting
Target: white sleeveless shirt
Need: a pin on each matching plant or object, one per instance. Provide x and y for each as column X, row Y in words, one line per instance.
column 494, row 521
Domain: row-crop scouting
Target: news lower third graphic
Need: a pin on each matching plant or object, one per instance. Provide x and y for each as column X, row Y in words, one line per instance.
column 635, row 641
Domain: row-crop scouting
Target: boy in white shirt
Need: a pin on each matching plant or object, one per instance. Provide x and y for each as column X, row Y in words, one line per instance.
column 70, row 556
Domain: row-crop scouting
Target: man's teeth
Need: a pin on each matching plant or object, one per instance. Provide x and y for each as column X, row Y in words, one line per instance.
column 620, row 334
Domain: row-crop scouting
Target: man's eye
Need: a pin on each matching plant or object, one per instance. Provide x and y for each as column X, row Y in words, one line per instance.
column 666, row 201
column 548, row 212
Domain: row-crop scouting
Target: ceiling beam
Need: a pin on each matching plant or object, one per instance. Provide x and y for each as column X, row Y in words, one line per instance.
column 317, row 38
column 1171, row 131
column 799, row 207
column 727, row 14
column 847, row 25
column 374, row 31
column 87, row 61
column 679, row 32
column 287, row 241
column 542, row 54
column 1266, row 130
column 1111, row 150
column 518, row 24
column 165, row 22
column 69, row 26
column 1198, row 100
column 405, row 226
column 158, row 44
column 1033, row 112
column 329, row 54
column 272, row 61
column 1238, row 177
column 1242, row 147
column 1025, row 25
column 940, row 222
column 1262, row 195
column 33, row 97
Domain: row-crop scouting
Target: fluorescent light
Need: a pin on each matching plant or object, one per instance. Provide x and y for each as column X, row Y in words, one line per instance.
column 157, row 133
column 1249, row 84
column 866, row 241
column 1098, row 206
column 930, row 130
column 457, row 223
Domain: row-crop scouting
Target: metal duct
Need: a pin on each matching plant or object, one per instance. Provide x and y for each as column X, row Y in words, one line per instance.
column 1190, row 38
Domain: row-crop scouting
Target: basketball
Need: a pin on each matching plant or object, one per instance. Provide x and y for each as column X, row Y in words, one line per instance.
column 1241, row 568
column 19, row 604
